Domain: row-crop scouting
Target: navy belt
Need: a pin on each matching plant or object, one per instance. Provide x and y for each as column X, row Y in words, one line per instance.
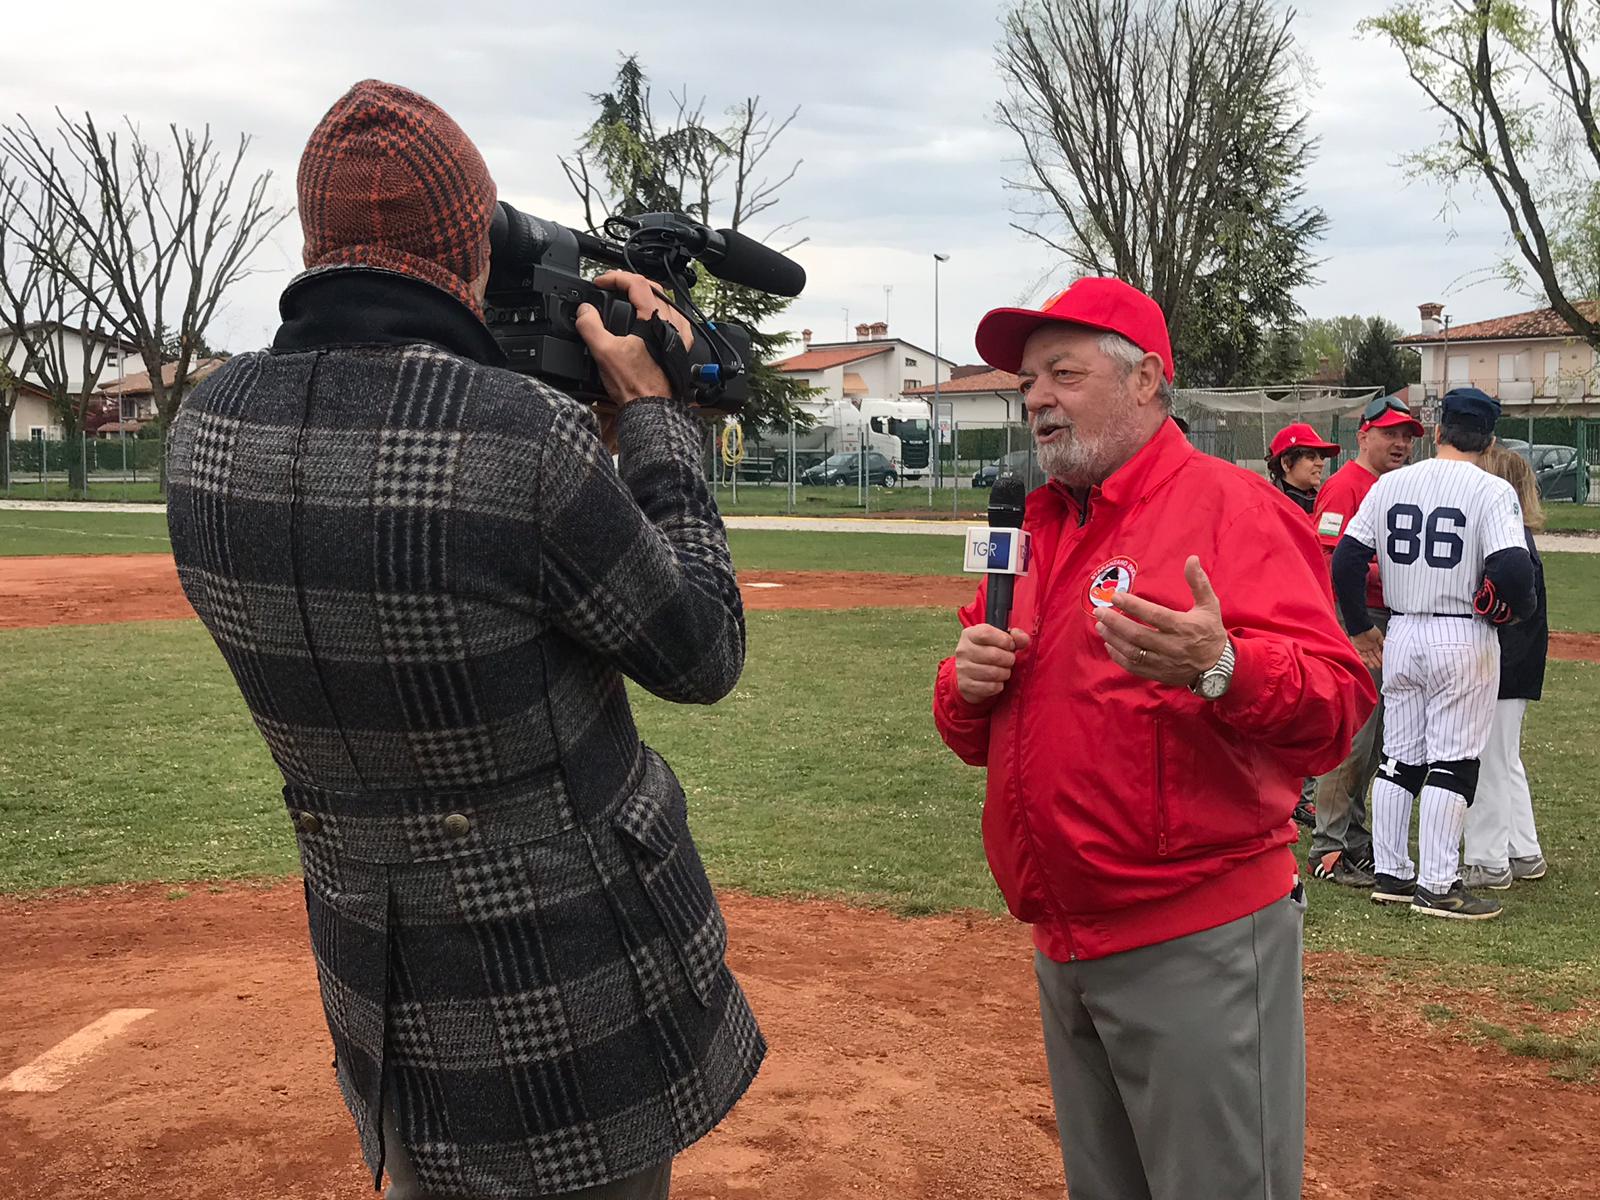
column 1458, row 616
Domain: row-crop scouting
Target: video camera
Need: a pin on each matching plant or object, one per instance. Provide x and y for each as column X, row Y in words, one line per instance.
column 535, row 289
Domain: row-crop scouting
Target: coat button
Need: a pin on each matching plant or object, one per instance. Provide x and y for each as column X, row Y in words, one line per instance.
column 456, row 826
column 309, row 823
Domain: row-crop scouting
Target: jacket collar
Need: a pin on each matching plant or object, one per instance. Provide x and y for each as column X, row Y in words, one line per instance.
column 365, row 306
column 1151, row 465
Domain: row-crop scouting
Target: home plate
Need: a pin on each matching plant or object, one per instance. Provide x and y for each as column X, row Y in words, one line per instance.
column 762, row 585
column 49, row 1072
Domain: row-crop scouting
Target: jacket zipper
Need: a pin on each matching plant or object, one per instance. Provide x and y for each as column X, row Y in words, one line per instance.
column 1017, row 724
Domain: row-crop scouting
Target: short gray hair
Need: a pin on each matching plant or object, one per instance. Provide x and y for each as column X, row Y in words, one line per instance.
column 1119, row 349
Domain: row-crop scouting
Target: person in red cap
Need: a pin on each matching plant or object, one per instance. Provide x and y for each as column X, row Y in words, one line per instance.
column 1341, row 842
column 429, row 580
column 1172, row 673
column 1296, row 460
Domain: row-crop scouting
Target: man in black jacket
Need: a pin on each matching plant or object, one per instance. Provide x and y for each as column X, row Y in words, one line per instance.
column 430, row 581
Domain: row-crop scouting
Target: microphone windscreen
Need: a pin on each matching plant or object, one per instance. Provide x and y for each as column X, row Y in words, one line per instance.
column 1007, row 501
column 745, row 260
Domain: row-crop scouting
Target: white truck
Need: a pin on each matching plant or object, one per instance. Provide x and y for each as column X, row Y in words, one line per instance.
column 897, row 429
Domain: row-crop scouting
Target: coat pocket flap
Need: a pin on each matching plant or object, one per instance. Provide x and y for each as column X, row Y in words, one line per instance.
column 647, row 821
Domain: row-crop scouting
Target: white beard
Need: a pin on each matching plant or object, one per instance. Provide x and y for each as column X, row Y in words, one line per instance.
column 1077, row 463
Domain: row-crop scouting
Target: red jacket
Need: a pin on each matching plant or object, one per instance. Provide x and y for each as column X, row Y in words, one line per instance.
column 1120, row 812
column 1336, row 503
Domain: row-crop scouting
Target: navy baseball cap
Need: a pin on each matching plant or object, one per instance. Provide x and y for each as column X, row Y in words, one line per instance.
column 1470, row 409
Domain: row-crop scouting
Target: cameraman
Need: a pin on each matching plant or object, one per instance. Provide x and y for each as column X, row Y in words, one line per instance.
column 429, row 582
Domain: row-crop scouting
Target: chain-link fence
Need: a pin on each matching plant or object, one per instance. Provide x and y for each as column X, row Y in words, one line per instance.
column 121, row 467
column 1238, row 426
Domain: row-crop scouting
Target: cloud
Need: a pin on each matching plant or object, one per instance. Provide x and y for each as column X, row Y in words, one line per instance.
column 902, row 156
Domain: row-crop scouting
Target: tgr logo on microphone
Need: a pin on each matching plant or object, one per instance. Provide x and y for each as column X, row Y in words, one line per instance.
column 997, row 550
column 1002, row 550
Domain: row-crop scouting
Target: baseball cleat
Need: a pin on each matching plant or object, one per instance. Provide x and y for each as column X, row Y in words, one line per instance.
column 1390, row 889
column 1529, row 868
column 1457, row 904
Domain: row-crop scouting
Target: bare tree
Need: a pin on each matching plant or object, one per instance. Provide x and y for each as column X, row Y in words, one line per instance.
column 1517, row 95
column 21, row 277
column 47, row 316
column 154, row 238
column 1146, row 127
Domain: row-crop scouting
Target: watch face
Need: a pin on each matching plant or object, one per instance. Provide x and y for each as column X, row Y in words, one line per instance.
column 1213, row 684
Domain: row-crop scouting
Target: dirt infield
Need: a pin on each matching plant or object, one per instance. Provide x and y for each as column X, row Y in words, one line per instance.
column 906, row 1062
column 106, row 588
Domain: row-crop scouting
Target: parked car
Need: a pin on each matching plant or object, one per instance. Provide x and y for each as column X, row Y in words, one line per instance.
column 1018, row 462
column 1555, row 469
column 844, row 470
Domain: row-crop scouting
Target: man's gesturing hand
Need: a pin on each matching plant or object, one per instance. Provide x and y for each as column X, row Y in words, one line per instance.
column 984, row 658
column 1162, row 643
column 626, row 368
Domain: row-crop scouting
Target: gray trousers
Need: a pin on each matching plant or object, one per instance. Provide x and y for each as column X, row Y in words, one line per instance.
column 1179, row 1069
column 651, row 1184
column 1342, row 792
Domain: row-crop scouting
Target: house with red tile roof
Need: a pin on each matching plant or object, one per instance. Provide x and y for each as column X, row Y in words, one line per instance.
column 977, row 395
column 1531, row 362
column 874, row 365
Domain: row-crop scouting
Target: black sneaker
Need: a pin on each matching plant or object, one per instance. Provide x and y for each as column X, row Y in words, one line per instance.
column 1389, row 889
column 1458, row 904
column 1305, row 813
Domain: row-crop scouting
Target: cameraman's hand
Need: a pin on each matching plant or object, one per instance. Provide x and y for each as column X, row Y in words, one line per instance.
column 626, row 367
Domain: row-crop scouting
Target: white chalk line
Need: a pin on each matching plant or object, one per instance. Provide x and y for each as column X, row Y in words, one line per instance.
column 51, row 1070
column 97, row 533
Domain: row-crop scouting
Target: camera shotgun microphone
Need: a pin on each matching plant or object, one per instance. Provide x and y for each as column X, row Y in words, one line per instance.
column 1001, row 549
column 731, row 256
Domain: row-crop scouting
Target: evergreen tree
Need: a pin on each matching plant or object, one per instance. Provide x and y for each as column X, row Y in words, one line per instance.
column 631, row 161
column 1377, row 361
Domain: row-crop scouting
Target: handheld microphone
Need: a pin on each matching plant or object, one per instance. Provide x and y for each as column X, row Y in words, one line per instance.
column 1001, row 549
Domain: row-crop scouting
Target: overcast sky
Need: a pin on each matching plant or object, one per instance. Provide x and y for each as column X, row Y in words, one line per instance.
column 901, row 153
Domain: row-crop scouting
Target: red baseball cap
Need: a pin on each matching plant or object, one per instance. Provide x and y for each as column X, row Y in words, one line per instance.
column 1301, row 437
column 1096, row 302
column 1394, row 413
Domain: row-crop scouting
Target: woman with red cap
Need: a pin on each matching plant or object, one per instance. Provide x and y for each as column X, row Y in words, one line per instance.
column 1296, row 460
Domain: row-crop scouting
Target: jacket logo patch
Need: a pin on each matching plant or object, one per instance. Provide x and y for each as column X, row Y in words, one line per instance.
column 1331, row 524
column 1108, row 579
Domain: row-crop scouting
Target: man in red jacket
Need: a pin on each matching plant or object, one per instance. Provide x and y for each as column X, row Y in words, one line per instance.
column 1173, row 671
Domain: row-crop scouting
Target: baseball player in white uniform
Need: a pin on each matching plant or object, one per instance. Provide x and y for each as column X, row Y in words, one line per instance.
column 1449, row 543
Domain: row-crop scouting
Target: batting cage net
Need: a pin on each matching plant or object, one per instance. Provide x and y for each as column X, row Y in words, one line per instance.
column 1237, row 424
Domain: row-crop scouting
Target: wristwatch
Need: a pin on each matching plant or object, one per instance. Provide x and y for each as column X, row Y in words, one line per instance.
column 1213, row 684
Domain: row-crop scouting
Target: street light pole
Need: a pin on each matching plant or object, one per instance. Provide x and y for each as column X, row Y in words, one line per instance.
column 938, row 470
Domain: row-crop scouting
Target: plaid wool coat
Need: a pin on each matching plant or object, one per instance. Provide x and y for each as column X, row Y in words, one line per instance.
column 429, row 581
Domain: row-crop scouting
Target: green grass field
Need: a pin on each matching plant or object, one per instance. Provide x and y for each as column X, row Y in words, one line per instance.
column 101, row 491
column 126, row 754
column 1561, row 517
column 44, row 531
